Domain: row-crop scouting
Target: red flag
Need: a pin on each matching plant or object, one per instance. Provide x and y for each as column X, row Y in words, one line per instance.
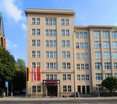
column 38, row 74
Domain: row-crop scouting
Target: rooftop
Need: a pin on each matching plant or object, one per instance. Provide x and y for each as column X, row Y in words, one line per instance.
column 50, row 11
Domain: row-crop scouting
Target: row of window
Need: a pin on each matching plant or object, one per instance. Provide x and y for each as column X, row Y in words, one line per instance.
column 50, row 32
column 51, row 77
column 51, row 65
column 105, row 35
column 107, row 65
column 36, row 54
column 66, row 88
column 51, row 54
column 50, row 21
column 66, row 65
column 82, row 77
column 82, row 35
column 66, row 76
column 82, row 45
column 105, row 44
column 99, row 76
column 82, row 66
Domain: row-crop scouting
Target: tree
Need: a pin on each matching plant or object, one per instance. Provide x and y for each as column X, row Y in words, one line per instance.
column 110, row 83
column 21, row 65
column 19, row 81
column 7, row 67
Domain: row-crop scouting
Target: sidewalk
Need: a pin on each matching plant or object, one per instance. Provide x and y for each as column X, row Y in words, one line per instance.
column 54, row 99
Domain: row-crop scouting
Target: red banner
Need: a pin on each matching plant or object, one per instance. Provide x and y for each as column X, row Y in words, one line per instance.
column 35, row 74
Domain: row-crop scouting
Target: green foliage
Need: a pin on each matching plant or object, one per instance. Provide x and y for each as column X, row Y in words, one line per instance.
column 21, row 65
column 7, row 65
column 110, row 83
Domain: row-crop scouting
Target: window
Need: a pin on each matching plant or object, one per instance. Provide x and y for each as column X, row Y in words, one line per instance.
column 33, row 54
column 66, row 54
column 78, row 77
column 114, row 35
column 51, row 65
column 97, row 44
column 115, row 65
column 65, row 21
column 86, row 66
column 33, row 65
column 97, row 54
column 51, row 32
column 35, row 32
column 87, row 77
column 38, row 88
column 78, row 66
column 69, row 76
column 98, row 65
column 108, row 75
column 66, row 65
column 82, row 35
column 51, row 77
column 82, row 77
column 33, row 42
column 69, row 88
column 114, row 45
column 82, row 66
column 35, row 21
column 105, row 35
column 38, row 54
column 82, row 45
column 64, row 88
column 107, row 65
column 98, row 76
column 38, row 43
column 105, row 44
column 51, row 54
column 96, row 35
column 50, row 21
column 64, row 77
column 34, row 89
column 51, row 43
column 65, row 43
column 65, row 32
column 114, row 55
column 106, row 55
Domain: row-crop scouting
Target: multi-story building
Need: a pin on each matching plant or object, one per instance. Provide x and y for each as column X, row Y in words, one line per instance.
column 2, row 36
column 64, row 58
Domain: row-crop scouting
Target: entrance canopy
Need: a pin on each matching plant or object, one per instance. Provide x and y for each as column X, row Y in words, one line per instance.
column 51, row 82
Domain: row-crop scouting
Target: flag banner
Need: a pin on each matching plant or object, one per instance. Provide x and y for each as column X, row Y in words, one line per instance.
column 35, row 74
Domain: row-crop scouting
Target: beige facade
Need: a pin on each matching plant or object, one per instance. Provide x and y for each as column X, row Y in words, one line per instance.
column 70, row 58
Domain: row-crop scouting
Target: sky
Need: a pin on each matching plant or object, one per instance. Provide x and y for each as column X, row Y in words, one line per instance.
column 88, row 12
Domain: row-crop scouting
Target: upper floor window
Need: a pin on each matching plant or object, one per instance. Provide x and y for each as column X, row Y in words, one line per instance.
column 66, row 54
column 82, row 45
column 106, row 54
column 51, row 32
column 51, row 21
column 96, row 35
column 51, row 43
column 114, row 35
column 106, row 44
column 114, row 45
column 99, row 76
column 98, row 65
column 35, row 21
column 97, row 44
column 35, row 31
column 105, row 35
column 98, row 54
column 82, row 35
column 65, row 43
column 65, row 21
column 36, row 43
column 65, row 32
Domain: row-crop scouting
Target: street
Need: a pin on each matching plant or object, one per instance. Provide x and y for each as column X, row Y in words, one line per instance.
column 63, row 101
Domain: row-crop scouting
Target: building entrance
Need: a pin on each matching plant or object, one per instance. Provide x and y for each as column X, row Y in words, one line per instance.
column 51, row 87
column 52, row 90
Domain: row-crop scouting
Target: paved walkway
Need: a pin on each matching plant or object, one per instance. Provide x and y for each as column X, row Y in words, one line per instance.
column 54, row 99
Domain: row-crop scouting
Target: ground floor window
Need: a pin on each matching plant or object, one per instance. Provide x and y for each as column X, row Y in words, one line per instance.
column 83, row 89
column 67, row 88
column 33, row 89
column 38, row 88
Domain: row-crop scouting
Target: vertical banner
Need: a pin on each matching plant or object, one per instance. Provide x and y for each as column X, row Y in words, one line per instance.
column 38, row 74
column 35, row 74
